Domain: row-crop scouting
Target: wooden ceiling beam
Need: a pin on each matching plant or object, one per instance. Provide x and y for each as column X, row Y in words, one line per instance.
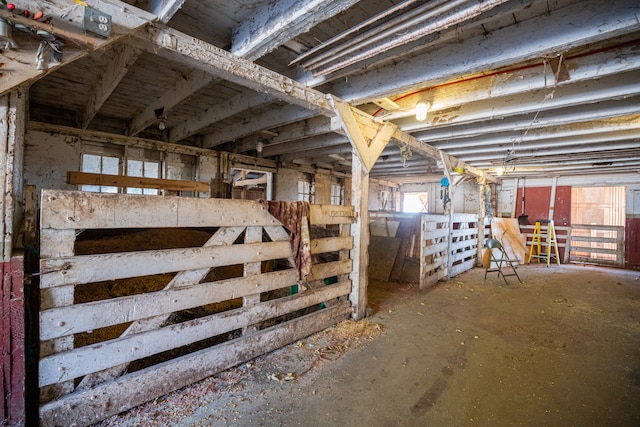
column 123, row 56
column 199, row 54
column 165, row 9
column 182, row 88
column 553, row 98
column 605, row 110
column 277, row 116
column 68, row 25
column 236, row 105
column 275, row 23
column 582, row 23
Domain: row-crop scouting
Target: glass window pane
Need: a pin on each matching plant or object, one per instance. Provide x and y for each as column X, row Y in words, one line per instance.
column 110, row 165
column 151, row 170
column 134, row 168
column 91, row 164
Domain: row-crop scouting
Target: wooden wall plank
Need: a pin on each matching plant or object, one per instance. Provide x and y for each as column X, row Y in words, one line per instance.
column 81, row 269
column 77, row 210
column 223, row 236
column 90, row 406
column 85, row 360
column 85, row 178
column 78, row 318
column 330, row 269
column 331, row 214
column 331, row 244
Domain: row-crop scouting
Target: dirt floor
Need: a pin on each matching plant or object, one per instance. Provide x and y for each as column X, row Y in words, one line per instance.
column 560, row 349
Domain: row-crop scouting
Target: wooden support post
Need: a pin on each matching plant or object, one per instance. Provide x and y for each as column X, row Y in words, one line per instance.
column 360, row 234
column 482, row 213
column 13, row 113
column 552, row 199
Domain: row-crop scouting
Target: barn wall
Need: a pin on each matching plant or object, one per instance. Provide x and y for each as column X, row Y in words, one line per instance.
column 48, row 157
column 286, row 185
column 323, row 187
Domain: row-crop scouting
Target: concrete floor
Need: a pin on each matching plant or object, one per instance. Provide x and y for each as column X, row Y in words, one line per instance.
column 560, row 349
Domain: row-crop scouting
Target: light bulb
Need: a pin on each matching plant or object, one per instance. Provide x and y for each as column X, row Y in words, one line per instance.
column 421, row 111
column 162, row 125
column 500, row 171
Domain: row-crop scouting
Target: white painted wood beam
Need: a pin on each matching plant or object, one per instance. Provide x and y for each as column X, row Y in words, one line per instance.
column 275, row 23
column 205, row 56
column 345, row 148
column 231, row 107
column 356, row 127
column 304, row 129
column 321, row 141
column 520, row 81
column 165, row 9
column 276, row 117
column 582, row 23
column 123, row 56
column 182, row 88
column 68, row 25
column 569, row 95
column 360, row 234
column 557, row 146
column 578, row 132
column 178, row 46
column 558, row 117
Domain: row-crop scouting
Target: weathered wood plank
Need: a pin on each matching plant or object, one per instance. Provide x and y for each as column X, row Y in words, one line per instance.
column 86, row 407
column 252, row 235
column 78, row 318
column 436, row 234
column 85, row 178
column 56, row 244
column 331, row 244
column 77, row 210
column 81, row 269
column 330, row 269
column 223, row 236
column 462, row 217
column 434, row 249
column 462, row 267
column 575, row 248
column 331, row 214
column 92, row 358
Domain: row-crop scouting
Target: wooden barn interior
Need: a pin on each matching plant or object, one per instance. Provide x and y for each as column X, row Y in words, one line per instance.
column 191, row 184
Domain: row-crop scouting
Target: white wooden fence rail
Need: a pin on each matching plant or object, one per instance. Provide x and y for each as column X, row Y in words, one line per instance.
column 449, row 246
column 84, row 383
column 597, row 244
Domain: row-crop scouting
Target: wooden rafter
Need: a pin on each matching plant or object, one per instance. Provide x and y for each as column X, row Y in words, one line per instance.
column 123, row 57
column 176, row 45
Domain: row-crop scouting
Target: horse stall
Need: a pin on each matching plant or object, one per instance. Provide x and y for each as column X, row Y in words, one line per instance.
column 142, row 295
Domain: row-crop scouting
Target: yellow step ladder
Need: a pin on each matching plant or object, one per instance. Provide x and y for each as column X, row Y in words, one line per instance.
column 549, row 241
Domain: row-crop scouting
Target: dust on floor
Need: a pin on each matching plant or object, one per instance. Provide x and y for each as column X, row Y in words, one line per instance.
column 562, row 348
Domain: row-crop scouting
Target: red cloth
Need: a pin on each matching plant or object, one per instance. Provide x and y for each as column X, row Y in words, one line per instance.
column 294, row 216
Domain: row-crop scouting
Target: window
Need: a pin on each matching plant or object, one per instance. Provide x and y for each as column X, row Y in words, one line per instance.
column 415, row 202
column 385, row 200
column 306, row 189
column 598, row 206
column 181, row 167
column 337, row 192
column 145, row 169
column 95, row 163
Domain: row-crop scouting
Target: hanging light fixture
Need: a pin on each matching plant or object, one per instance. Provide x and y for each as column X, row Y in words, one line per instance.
column 421, row 110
